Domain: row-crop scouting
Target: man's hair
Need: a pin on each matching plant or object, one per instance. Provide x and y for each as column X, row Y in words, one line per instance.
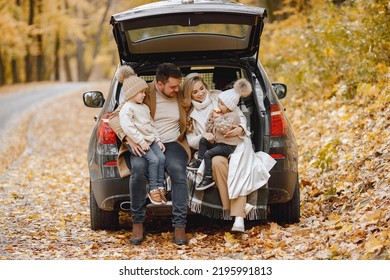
column 166, row 71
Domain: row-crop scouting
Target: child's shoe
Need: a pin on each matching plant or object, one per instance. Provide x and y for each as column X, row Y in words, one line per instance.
column 238, row 225
column 162, row 195
column 206, row 183
column 248, row 208
column 155, row 197
column 194, row 164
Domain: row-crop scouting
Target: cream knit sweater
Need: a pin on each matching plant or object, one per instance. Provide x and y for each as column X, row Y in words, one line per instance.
column 221, row 124
column 137, row 123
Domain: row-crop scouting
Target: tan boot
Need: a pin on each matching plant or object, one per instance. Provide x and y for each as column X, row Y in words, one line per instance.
column 155, row 197
column 137, row 235
column 162, row 195
column 179, row 236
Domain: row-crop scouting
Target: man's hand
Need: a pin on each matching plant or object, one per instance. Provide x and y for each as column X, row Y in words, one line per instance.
column 235, row 131
column 161, row 145
column 135, row 148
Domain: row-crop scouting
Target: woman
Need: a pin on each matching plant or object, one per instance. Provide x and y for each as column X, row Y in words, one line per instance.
column 198, row 102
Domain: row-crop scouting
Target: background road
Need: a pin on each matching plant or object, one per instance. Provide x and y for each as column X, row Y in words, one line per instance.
column 14, row 104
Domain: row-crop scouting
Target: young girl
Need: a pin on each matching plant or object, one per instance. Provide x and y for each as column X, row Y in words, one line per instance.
column 136, row 122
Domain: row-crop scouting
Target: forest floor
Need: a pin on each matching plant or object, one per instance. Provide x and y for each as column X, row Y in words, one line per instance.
column 344, row 167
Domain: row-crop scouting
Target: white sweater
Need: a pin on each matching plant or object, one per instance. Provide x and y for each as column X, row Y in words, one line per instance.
column 137, row 123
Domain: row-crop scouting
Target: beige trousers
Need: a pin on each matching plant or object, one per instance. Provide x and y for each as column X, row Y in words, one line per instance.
column 220, row 167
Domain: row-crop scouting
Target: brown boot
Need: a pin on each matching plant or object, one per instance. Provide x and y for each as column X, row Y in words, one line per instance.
column 162, row 195
column 137, row 235
column 179, row 236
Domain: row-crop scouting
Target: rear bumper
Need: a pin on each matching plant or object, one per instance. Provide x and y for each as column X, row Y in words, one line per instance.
column 281, row 186
column 110, row 192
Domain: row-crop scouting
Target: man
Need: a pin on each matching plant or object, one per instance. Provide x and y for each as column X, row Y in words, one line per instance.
column 164, row 98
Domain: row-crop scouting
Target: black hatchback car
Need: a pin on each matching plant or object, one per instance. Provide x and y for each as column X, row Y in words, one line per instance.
column 208, row 37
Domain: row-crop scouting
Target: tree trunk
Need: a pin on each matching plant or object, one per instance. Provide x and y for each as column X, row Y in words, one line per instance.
column 338, row 2
column 81, row 73
column 272, row 6
column 28, row 59
column 40, row 65
column 98, row 37
column 2, row 70
column 57, row 64
column 68, row 71
column 40, row 60
column 15, row 72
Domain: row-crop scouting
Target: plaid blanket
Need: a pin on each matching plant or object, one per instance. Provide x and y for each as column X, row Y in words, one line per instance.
column 208, row 202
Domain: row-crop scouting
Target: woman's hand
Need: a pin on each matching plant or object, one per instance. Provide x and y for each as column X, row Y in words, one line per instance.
column 235, row 131
column 209, row 137
column 135, row 148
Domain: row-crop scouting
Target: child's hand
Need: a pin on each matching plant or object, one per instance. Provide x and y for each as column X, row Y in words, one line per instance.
column 216, row 112
column 161, row 145
column 209, row 137
column 144, row 146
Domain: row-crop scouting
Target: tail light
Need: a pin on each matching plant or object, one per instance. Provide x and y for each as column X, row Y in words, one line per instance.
column 278, row 122
column 105, row 133
column 278, row 156
column 107, row 149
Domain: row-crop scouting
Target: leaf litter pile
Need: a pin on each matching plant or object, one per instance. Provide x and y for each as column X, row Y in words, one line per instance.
column 344, row 172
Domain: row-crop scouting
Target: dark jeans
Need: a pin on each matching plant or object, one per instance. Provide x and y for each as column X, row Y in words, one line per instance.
column 209, row 150
column 175, row 164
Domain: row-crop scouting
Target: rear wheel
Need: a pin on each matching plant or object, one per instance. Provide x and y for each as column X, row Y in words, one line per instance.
column 288, row 212
column 101, row 219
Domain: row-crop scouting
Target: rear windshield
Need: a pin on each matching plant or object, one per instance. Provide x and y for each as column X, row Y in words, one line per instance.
column 234, row 30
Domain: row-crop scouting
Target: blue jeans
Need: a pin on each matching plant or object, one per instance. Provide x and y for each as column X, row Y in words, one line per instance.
column 156, row 164
column 175, row 164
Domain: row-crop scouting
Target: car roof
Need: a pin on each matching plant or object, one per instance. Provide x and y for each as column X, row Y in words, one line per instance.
column 199, row 29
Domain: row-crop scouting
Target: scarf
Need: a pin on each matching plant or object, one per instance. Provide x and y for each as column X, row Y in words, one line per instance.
column 201, row 105
column 202, row 108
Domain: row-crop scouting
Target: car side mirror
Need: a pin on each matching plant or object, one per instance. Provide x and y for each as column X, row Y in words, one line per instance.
column 93, row 99
column 280, row 90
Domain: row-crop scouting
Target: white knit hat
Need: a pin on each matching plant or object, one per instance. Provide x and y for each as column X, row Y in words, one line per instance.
column 230, row 97
column 132, row 84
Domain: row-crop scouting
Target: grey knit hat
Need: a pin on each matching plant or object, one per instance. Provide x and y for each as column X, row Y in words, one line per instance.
column 230, row 97
column 132, row 84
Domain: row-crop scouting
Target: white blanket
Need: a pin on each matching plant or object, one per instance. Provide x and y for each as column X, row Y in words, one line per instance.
column 248, row 171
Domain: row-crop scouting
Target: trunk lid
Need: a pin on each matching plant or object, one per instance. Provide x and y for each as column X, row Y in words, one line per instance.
column 172, row 30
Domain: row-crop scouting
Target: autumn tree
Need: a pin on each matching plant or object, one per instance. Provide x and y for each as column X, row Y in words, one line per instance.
column 42, row 39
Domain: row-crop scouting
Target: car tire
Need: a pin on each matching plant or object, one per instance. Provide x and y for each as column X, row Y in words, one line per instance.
column 288, row 212
column 101, row 219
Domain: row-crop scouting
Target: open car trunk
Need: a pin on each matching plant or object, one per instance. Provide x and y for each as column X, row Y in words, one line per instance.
column 200, row 30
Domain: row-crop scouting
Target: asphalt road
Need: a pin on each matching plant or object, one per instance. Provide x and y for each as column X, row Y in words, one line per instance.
column 14, row 104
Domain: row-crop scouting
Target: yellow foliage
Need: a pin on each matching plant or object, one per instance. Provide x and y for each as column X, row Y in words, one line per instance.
column 346, row 44
column 373, row 244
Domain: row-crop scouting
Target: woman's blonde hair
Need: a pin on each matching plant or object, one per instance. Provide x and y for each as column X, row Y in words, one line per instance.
column 188, row 86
